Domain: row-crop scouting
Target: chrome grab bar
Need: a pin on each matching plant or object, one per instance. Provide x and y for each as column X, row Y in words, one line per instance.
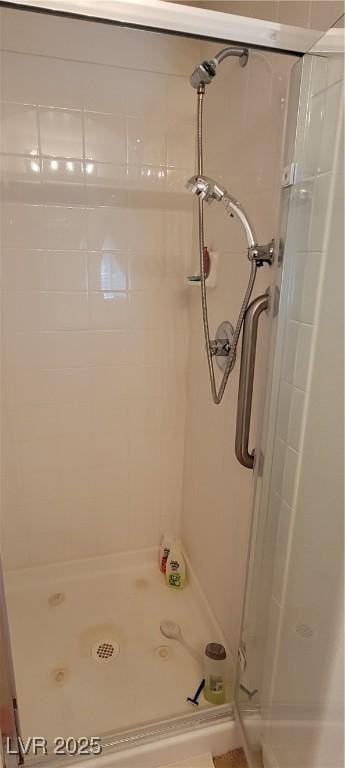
column 245, row 387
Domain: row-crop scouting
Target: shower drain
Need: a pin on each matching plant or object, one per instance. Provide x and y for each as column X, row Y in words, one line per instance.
column 105, row 651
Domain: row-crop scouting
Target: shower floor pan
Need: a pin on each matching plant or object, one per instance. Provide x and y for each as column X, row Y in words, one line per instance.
column 89, row 656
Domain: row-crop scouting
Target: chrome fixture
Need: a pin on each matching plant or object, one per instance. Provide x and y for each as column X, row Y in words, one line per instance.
column 207, row 70
column 245, row 387
column 224, row 346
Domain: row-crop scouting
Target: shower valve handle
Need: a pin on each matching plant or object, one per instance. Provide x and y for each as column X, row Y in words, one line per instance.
column 220, row 347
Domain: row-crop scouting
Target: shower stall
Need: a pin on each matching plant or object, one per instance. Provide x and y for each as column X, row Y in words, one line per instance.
column 131, row 308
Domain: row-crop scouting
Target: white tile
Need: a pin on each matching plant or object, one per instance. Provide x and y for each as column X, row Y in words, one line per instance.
column 144, row 310
column 15, row 545
column 110, row 416
column 281, row 556
column 301, row 201
column 24, row 311
column 23, row 270
column 278, row 465
column 304, row 283
column 143, row 347
column 144, row 430
column 58, row 170
column 74, row 422
column 313, row 134
column 65, row 349
column 110, row 445
column 290, row 477
column 108, row 310
column 290, row 347
column 143, row 381
column 318, row 74
column 39, row 470
column 146, row 271
column 147, row 94
column 284, row 404
column 80, row 537
column 22, row 225
column 335, row 70
column 34, row 422
column 319, row 213
column 303, row 356
column 113, row 519
column 20, row 76
column 33, row 387
column 104, row 89
column 107, row 271
column 66, row 271
column 151, row 178
column 108, row 347
column 45, row 532
column 64, row 228
column 296, row 418
column 73, row 386
column 146, row 230
column 146, row 142
column 12, row 481
column 19, row 129
column 66, row 311
column 333, row 98
column 181, row 143
column 77, row 471
column 61, row 132
column 108, row 383
column 105, row 137
column 111, row 479
column 106, row 178
column 107, row 229
column 18, row 168
column 59, row 82
column 144, row 505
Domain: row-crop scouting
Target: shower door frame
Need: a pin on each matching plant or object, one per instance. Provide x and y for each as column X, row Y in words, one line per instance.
column 278, row 307
column 173, row 18
column 157, row 16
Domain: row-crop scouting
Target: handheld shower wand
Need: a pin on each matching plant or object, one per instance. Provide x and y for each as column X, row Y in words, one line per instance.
column 207, row 190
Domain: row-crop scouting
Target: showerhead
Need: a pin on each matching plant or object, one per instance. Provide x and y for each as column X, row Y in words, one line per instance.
column 205, row 188
column 204, row 73
column 208, row 190
column 206, row 70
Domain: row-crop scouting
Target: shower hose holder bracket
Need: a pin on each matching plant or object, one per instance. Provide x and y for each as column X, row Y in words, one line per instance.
column 262, row 254
column 221, row 345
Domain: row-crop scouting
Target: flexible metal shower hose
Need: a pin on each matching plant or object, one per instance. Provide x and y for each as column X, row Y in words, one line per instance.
column 217, row 395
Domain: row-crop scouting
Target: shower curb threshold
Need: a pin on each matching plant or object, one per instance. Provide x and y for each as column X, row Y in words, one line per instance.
column 148, row 747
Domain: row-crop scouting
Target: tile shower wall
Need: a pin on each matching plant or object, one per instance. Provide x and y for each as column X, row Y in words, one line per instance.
column 97, row 140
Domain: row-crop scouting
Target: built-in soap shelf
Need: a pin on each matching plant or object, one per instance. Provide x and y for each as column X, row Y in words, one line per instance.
column 211, row 280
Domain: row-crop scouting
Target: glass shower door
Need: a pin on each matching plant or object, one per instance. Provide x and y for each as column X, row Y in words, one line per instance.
column 289, row 695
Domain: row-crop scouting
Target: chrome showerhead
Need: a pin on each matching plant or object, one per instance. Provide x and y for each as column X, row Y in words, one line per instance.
column 206, row 188
column 206, row 70
column 204, row 73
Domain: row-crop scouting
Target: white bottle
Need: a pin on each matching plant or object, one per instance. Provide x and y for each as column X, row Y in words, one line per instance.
column 175, row 568
column 164, row 550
